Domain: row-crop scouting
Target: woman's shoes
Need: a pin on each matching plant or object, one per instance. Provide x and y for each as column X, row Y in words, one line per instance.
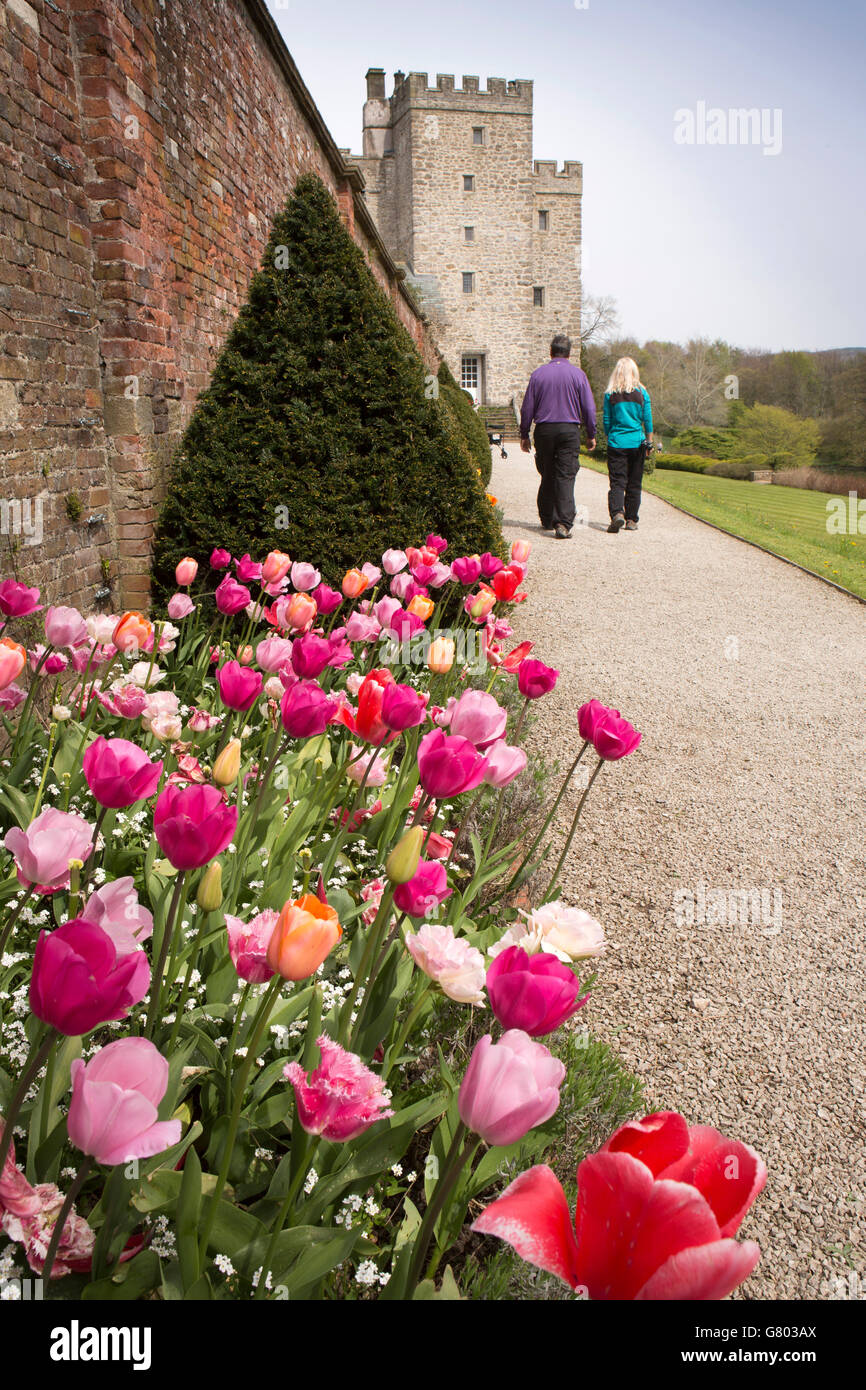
column 563, row 533
column 616, row 523
column 631, row 525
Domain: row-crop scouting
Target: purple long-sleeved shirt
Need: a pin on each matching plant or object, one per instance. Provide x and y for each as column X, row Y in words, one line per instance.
column 558, row 393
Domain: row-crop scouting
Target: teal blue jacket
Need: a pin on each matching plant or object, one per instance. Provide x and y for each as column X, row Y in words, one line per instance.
column 628, row 418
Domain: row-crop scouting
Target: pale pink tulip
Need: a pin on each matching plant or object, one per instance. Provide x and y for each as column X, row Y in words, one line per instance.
column 113, row 1113
column 456, row 967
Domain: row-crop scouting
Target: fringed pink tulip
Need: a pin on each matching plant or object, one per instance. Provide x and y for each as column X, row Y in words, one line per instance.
column 341, row 1098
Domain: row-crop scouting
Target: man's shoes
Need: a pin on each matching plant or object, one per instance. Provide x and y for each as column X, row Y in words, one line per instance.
column 616, row 523
column 563, row 533
column 546, row 525
column 631, row 525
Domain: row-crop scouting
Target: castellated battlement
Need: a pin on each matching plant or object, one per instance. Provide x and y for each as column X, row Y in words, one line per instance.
column 571, row 173
column 415, row 89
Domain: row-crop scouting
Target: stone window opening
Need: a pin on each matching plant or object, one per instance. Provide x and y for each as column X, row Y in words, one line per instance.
column 468, row 233
column 478, row 135
column 538, row 297
column 468, row 183
column 468, row 282
column 543, row 221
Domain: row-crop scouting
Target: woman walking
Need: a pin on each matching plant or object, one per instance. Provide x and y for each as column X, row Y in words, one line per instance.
column 628, row 424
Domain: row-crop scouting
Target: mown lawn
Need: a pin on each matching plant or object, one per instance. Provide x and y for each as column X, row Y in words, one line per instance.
column 789, row 521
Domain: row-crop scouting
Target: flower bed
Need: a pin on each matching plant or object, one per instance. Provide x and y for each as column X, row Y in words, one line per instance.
column 272, row 1022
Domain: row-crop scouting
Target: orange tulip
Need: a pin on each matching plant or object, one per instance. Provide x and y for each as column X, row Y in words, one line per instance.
column 13, row 658
column 132, row 632
column 300, row 611
column 306, row 932
column 275, row 567
column 440, row 657
column 421, row 606
column 354, row 583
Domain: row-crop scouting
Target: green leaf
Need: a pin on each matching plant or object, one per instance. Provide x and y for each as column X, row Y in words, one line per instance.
column 187, row 1218
column 128, row 1282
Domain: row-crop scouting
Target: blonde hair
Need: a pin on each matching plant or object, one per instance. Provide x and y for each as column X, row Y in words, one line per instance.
column 625, row 376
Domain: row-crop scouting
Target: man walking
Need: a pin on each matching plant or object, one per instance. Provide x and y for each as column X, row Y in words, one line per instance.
column 559, row 400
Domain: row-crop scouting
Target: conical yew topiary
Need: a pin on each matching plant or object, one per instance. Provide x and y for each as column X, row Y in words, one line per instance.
column 320, row 432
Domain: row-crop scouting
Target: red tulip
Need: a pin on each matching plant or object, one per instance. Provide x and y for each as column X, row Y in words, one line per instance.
column 505, row 583
column 656, row 1210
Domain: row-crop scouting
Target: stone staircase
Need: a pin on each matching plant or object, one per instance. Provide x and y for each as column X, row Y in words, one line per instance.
column 499, row 418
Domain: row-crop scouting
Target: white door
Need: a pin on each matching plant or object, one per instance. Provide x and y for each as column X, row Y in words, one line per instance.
column 470, row 377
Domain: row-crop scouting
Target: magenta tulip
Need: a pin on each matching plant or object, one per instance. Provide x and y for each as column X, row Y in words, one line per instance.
column 306, row 710
column 449, row 766
column 509, row 1087
column 327, row 600
column 240, row 686
column 16, row 600
column 402, row 707
column 113, row 1111
column 611, row 736
column 467, row 569
column 79, row 981
column 476, row 716
column 437, row 543
column 490, row 564
column 220, row 559
column 504, row 763
column 42, row 852
column 231, row 597
column 341, row 1098
column 193, row 824
column 65, row 627
column 310, row 655
column 534, row 678
column 119, row 773
column 247, row 569
column 424, row 892
column 534, row 993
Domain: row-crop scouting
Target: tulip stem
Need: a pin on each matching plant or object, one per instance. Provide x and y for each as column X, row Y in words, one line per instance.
column 52, row 734
column 467, row 816
column 31, row 691
column 13, row 918
column 205, row 917
column 261, row 1020
column 230, row 1056
column 156, row 981
column 543, row 831
column 69, row 1202
column 373, row 938
column 38, row 1055
column 405, row 1029
column 374, row 971
column 454, row 1161
column 286, row 1213
column 562, row 858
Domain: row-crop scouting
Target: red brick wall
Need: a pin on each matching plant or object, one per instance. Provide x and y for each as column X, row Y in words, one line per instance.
column 144, row 149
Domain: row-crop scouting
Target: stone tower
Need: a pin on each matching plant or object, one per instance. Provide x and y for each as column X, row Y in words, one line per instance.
column 490, row 240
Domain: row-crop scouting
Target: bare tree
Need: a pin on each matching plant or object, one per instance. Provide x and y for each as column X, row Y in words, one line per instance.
column 598, row 318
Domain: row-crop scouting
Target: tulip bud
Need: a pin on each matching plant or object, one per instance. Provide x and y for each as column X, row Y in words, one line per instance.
column 61, row 713
column 228, row 764
column 210, row 888
column 440, row 657
column 186, row 571
column 402, row 863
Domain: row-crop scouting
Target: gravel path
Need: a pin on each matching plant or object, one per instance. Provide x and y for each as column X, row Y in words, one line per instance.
column 746, row 678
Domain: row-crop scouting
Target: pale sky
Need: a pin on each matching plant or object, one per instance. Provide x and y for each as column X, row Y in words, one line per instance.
column 710, row 240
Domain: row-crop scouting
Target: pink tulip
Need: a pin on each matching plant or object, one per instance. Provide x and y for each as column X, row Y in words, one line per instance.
column 611, row 736
column 126, row 701
column 306, row 710
column 305, row 577
column 65, row 627
column 339, row 651
column 520, row 551
column 371, row 769
column 476, row 716
column 490, row 564
column 467, row 569
column 371, row 573
column 273, row 653
column 310, row 655
column 326, row 600
column 113, row 1111
column 385, row 608
column 16, row 600
column 534, row 678
column 28, row 1216
column 535, row 993
column 42, row 852
column 13, row 659
column 52, row 665
column 220, row 559
column 11, row 696
column 424, row 892
column 296, row 611
column 449, row 960
column 274, row 569
column 437, row 543
column 201, row 722
column 193, row 825
column 180, row 606
column 404, row 625
column 657, row 1208
column 393, row 561
column 239, row 685
column 440, row 574
column 185, row 572
column 341, row 1098
column 116, row 909
column 79, row 981
column 479, row 606
column 119, row 773
column 509, row 1087
column 403, row 707
column 449, row 766
column 231, row 597
column 504, row 763
column 362, row 627
column 402, row 586
column 247, row 569
column 248, row 945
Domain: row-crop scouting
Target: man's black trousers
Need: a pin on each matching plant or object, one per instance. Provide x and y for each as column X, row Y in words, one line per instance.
column 625, row 470
column 557, row 458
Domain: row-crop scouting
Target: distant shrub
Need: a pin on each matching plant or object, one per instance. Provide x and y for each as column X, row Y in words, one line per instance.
column 732, row 468
column 815, row 480
column 704, row 440
column 683, row 463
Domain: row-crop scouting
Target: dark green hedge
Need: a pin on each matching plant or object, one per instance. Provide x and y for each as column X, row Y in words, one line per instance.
column 468, row 421
column 319, row 433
